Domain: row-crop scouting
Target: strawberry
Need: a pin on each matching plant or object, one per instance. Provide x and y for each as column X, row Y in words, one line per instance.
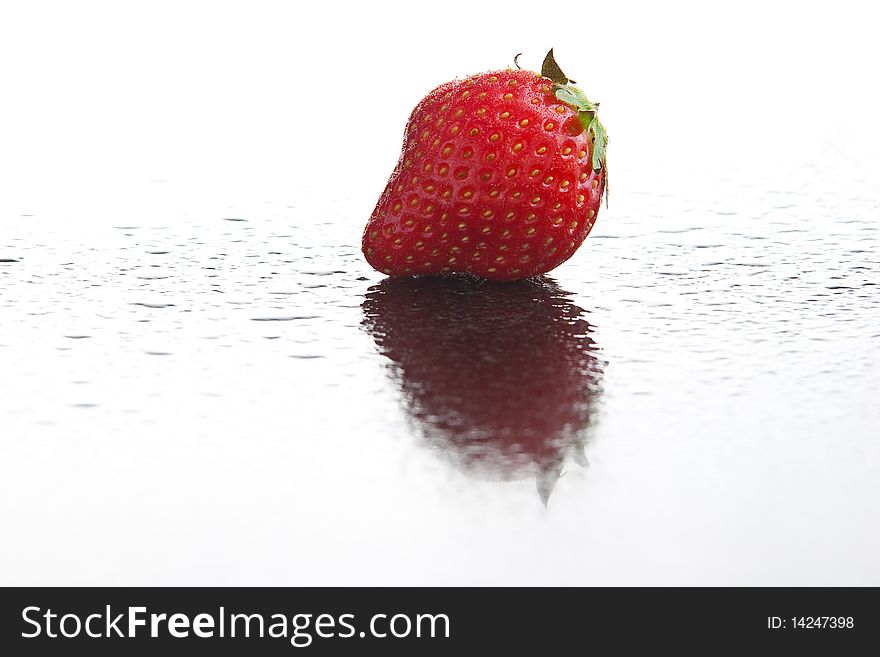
column 503, row 378
column 501, row 175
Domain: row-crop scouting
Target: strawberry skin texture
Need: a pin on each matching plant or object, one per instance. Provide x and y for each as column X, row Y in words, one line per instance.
column 494, row 179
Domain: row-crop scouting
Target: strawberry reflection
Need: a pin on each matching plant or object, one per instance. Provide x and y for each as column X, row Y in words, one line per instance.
column 501, row 377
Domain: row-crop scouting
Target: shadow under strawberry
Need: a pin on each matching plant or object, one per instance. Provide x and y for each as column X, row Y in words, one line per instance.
column 502, row 378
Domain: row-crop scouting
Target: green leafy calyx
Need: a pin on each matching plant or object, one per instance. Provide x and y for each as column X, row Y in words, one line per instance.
column 565, row 91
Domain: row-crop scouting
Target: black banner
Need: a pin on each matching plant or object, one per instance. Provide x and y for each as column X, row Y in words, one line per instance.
column 277, row 621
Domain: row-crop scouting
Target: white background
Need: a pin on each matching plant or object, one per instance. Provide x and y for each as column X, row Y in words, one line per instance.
column 100, row 95
column 731, row 282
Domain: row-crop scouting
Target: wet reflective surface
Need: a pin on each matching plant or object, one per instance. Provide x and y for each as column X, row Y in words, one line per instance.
column 239, row 398
column 203, row 382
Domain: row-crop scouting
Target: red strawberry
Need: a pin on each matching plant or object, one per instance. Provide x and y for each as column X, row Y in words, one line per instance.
column 501, row 378
column 501, row 175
